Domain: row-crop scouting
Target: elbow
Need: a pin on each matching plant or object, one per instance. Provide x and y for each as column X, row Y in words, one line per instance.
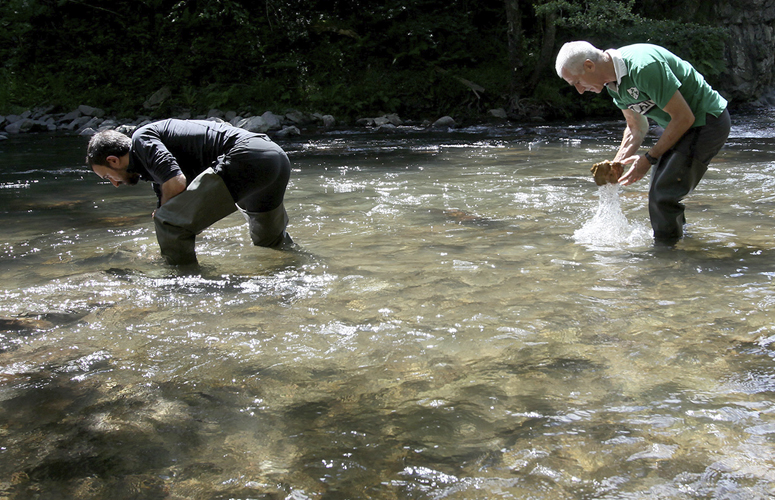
column 687, row 121
column 638, row 135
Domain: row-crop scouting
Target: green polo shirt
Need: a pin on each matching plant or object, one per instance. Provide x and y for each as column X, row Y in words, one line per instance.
column 653, row 75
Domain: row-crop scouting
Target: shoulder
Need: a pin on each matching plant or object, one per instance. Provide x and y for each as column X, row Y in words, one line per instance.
column 150, row 129
column 644, row 54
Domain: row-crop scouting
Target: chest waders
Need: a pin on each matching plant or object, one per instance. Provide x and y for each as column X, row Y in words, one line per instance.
column 675, row 176
column 679, row 171
column 205, row 201
column 267, row 229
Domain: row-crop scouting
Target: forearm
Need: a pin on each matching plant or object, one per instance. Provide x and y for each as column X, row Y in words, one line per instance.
column 681, row 120
column 172, row 188
column 631, row 142
column 672, row 134
column 634, row 133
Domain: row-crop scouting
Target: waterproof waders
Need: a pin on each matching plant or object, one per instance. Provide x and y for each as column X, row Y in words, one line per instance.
column 674, row 177
column 205, row 201
column 267, row 229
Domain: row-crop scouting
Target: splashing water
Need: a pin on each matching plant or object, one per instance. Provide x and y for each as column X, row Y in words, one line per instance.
column 609, row 227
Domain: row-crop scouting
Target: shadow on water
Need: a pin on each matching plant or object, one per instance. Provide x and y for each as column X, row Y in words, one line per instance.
column 86, row 440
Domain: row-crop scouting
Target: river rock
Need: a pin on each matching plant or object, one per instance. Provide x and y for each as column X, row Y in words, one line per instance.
column 42, row 113
column 386, row 127
column 26, row 125
column 380, row 120
column 327, row 121
column 126, row 129
column 108, row 124
column 78, row 123
column 394, row 119
column 254, row 124
column 23, row 324
column 288, row 132
column 91, row 111
column 272, row 120
column 298, row 117
column 444, row 122
column 93, row 122
column 72, row 115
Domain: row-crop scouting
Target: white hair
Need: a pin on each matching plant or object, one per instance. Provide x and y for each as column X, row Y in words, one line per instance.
column 572, row 56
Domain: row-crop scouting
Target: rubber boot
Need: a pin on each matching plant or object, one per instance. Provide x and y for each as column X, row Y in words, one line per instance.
column 267, row 229
column 205, row 201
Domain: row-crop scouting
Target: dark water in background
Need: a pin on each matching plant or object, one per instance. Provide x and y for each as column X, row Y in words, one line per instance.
column 467, row 316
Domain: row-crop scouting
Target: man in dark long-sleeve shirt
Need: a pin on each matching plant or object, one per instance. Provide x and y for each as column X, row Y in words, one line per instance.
column 201, row 171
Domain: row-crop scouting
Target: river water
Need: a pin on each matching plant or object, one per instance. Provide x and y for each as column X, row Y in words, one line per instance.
column 466, row 316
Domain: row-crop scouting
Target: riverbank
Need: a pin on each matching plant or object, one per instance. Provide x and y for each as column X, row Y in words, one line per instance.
column 88, row 120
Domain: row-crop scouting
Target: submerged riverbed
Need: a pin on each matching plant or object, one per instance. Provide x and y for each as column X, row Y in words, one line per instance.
column 465, row 316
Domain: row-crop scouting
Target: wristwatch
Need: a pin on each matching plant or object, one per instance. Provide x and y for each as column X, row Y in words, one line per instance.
column 651, row 159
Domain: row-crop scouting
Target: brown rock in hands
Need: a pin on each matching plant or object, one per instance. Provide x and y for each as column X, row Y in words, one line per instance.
column 607, row 172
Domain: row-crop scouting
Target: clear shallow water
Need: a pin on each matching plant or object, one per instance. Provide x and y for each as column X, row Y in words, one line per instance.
column 467, row 316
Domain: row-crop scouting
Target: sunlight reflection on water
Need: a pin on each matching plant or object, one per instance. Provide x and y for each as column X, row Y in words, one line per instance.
column 464, row 316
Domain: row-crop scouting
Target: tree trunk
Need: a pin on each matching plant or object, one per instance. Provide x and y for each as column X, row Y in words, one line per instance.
column 547, row 50
column 514, row 33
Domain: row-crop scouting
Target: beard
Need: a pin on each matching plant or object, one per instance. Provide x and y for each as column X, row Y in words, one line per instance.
column 132, row 179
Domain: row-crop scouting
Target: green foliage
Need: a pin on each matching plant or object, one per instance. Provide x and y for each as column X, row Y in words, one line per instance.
column 352, row 58
column 614, row 23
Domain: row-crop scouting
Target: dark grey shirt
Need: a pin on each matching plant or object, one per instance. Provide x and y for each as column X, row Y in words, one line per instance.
column 165, row 149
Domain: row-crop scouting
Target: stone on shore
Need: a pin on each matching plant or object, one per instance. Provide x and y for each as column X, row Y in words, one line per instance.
column 444, row 122
column 90, row 111
column 29, row 125
column 254, row 124
column 298, row 118
column 288, row 132
column 272, row 120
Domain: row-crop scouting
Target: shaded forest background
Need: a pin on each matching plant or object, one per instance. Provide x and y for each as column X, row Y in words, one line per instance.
column 349, row 58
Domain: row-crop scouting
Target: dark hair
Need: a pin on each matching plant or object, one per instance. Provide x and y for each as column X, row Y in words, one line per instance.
column 104, row 144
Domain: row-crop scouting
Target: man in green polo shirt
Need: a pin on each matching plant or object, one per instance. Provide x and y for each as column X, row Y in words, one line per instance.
column 648, row 81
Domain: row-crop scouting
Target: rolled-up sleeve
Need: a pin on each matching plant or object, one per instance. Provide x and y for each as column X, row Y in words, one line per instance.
column 154, row 155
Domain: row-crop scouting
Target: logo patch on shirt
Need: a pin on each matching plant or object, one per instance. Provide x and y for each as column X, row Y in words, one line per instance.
column 642, row 107
column 634, row 92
